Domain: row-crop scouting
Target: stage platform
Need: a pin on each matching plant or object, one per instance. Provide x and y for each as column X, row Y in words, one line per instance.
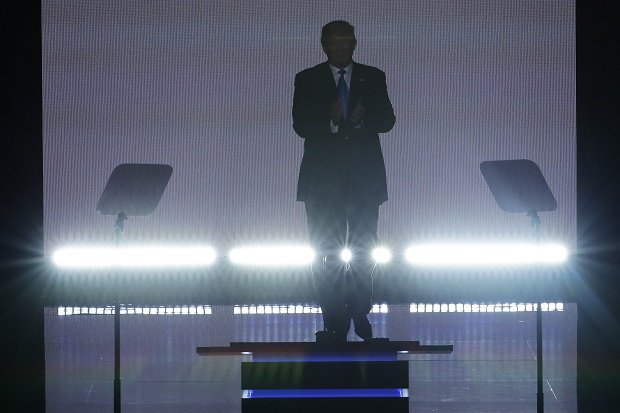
column 297, row 349
column 492, row 367
column 325, row 376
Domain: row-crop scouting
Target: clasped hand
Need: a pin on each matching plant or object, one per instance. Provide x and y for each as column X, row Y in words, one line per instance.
column 356, row 116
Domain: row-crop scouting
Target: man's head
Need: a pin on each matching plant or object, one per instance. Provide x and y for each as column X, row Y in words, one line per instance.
column 338, row 41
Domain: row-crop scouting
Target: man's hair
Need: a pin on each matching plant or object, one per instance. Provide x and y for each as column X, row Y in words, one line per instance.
column 336, row 27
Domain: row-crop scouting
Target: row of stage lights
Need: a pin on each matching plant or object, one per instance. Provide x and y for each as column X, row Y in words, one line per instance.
column 470, row 254
column 310, row 309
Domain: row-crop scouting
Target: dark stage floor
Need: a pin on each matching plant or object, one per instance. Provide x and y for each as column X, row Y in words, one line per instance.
column 492, row 368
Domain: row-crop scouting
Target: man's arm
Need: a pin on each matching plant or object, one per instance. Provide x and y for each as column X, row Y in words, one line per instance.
column 311, row 116
column 375, row 109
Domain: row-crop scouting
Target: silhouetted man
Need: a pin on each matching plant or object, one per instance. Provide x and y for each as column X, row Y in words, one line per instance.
column 339, row 109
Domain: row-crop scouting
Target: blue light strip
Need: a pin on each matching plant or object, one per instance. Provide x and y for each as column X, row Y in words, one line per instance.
column 323, row 393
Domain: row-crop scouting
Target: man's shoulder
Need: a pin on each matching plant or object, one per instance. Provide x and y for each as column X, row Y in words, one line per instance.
column 314, row 70
column 322, row 68
column 367, row 70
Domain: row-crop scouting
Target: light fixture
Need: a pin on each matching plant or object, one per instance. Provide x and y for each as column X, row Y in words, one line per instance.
column 103, row 257
column 381, row 255
column 472, row 254
column 346, row 255
column 272, row 255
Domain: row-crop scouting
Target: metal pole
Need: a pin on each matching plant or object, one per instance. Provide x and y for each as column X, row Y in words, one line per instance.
column 117, row 358
column 540, row 396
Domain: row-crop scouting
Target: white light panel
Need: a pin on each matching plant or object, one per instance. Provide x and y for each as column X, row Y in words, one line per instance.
column 119, row 257
column 272, row 255
column 486, row 254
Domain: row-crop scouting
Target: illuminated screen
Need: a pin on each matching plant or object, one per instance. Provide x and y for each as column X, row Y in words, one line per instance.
column 207, row 86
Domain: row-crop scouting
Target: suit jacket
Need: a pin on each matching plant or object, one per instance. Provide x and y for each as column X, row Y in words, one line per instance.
column 350, row 161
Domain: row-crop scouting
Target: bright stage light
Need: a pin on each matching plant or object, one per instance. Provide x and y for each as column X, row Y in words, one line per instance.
column 272, row 256
column 485, row 254
column 381, row 255
column 275, row 309
column 132, row 310
column 485, row 308
column 346, row 255
column 104, row 257
column 379, row 309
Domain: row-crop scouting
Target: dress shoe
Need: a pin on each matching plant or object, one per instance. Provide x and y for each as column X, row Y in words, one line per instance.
column 325, row 337
column 330, row 337
column 376, row 340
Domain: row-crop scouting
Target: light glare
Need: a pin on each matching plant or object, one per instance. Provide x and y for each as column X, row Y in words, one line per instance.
column 346, row 255
column 103, row 257
column 485, row 254
column 272, row 256
column 381, row 255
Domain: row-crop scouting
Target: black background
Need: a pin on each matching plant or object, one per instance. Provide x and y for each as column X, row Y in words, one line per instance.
column 25, row 288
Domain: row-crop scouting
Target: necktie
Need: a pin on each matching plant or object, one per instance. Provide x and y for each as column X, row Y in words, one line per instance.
column 343, row 93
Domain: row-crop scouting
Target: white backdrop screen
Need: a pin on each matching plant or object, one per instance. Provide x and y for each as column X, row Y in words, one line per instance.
column 207, row 86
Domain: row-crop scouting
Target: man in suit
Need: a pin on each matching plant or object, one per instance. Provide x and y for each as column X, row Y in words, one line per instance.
column 339, row 109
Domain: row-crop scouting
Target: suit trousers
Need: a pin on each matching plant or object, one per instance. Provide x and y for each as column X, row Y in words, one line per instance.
column 343, row 290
